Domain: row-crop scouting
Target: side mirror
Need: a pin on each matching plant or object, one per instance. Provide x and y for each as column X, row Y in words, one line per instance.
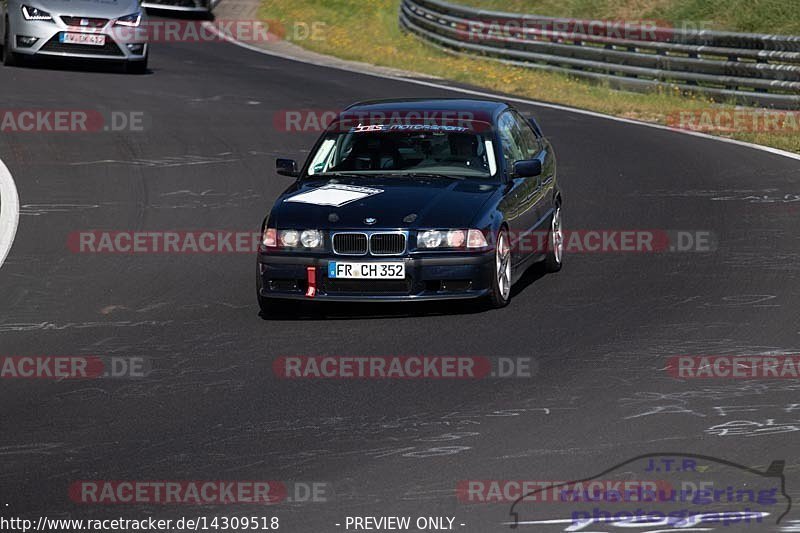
column 287, row 167
column 527, row 168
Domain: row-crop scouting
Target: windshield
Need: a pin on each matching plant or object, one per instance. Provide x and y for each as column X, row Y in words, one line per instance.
column 405, row 149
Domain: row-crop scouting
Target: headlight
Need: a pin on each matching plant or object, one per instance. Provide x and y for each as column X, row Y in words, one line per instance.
column 430, row 239
column 311, row 238
column 131, row 20
column 451, row 239
column 292, row 238
column 456, row 238
column 34, row 13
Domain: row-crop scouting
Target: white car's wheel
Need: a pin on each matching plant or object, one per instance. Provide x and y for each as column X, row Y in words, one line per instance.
column 137, row 67
column 9, row 57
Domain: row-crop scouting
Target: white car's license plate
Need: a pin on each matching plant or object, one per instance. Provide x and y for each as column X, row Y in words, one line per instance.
column 92, row 39
column 387, row 270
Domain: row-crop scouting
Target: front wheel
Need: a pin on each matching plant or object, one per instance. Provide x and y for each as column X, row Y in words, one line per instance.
column 137, row 67
column 9, row 57
column 500, row 292
column 555, row 253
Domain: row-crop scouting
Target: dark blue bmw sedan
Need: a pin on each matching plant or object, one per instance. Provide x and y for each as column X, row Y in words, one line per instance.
column 409, row 200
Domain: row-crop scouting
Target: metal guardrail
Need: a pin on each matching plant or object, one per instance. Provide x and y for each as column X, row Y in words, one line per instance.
column 751, row 69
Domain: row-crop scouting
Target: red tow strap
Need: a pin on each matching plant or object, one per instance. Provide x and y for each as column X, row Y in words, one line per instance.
column 311, row 272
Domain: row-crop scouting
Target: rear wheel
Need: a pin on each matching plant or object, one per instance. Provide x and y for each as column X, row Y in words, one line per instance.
column 555, row 253
column 9, row 57
column 500, row 292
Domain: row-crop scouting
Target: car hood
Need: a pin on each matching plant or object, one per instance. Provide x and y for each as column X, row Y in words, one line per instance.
column 401, row 203
column 87, row 8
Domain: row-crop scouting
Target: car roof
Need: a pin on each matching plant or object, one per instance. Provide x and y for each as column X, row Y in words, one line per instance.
column 483, row 110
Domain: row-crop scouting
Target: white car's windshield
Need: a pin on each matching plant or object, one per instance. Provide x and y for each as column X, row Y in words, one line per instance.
column 405, row 149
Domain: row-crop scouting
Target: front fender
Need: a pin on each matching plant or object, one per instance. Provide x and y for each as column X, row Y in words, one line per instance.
column 491, row 217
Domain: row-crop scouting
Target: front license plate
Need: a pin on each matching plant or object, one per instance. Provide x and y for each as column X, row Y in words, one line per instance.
column 92, row 39
column 391, row 270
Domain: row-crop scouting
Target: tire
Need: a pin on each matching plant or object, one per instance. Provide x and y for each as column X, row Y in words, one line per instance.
column 554, row 259
column 9, row 58
column 500, row 291
column 137, row 67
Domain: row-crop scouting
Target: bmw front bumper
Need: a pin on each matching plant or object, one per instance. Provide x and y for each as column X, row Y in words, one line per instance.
column 121, row 43
column 444, row 276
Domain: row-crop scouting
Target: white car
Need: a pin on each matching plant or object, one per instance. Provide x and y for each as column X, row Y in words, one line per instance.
column 86, row 29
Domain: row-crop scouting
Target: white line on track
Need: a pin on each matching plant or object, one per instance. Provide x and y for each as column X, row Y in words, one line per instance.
column 484, row 94
column 9, row 211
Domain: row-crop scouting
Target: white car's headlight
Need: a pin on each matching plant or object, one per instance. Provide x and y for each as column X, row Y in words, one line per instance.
column 133, row 20
column 34, row 13
column 453, row 238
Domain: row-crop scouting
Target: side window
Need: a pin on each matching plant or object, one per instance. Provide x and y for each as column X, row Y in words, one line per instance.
column 510, row 137
column 530, row 143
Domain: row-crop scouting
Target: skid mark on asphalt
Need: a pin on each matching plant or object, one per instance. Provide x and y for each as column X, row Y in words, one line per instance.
column 166, row 162
column 207, row 199
column 44, row 448
column 45, row 326
column 177, row 161
column 768, row 195
column 43, row 209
